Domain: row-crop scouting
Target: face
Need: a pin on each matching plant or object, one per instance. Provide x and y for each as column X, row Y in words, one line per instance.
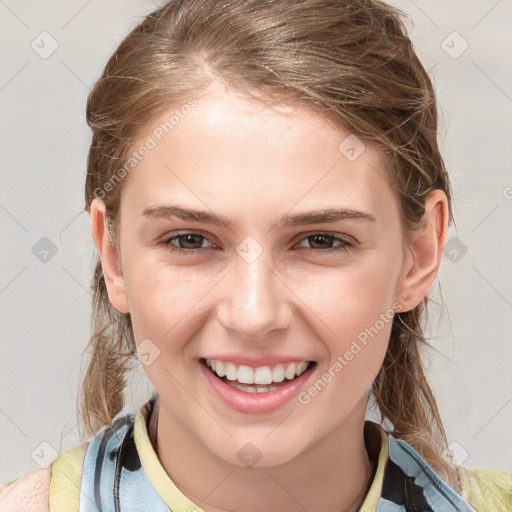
column 261, row 277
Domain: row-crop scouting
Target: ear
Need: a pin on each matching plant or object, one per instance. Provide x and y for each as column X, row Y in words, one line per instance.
column 110, row 260
column 424, row 258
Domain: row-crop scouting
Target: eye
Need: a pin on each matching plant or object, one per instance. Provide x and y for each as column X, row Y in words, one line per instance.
column 186, row 239
column 323, row 239
column 188, row 243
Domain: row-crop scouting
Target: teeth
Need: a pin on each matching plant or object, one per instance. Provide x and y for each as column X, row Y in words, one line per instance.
column 231, row 371
column 250, row 389
column 262, row 375
column 219, row 369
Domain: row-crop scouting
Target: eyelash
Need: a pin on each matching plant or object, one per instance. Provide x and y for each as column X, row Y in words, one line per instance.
column 344, row 247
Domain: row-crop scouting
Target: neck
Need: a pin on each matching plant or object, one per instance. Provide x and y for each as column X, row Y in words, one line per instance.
column 334, row 475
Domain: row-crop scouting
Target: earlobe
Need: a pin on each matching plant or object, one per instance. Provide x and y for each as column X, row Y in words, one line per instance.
column 110, row 260
column 425, row 253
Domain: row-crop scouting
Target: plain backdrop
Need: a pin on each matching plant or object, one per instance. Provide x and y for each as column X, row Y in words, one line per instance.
column 52, row 52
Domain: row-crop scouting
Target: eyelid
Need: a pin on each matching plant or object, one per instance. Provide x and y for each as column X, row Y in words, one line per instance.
column 343, row 236
column 300, row 237
column 183, row 232
column 346, row 242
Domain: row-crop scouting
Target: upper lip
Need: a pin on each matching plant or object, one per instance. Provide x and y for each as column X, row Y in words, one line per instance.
column 259, row 361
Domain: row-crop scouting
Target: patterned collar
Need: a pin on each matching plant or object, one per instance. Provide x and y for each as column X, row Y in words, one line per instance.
column 118, row 470
column 402, row 482
column 122, row 472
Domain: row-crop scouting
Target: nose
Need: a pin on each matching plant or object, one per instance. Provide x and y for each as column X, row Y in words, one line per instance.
column 255, row 300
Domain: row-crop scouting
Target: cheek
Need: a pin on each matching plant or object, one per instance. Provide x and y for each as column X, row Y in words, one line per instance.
column 159, row 296
column 164, row 306
column 347, row 300
column 342, row 302
column 169, row 304
column 353, row 315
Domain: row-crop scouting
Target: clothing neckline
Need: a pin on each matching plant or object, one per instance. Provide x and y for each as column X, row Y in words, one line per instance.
column 178, row 502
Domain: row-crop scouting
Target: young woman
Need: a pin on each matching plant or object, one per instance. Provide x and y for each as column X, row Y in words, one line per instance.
column 269, row 204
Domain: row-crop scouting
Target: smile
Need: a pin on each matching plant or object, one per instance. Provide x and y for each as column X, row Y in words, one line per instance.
column 259, row 389
column 262, row 375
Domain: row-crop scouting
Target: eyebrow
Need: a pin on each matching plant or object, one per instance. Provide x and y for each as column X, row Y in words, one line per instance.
column 328, row 215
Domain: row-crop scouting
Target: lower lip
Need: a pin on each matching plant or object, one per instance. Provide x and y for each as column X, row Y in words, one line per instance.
column 256, row 403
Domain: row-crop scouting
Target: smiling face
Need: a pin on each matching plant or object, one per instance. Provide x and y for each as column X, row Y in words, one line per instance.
column 264, row 276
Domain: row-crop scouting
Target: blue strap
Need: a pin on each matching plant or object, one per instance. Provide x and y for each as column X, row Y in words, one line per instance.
column 113, row 479
column 411, row 484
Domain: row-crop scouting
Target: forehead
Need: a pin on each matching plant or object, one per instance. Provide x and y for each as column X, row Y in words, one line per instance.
column 233, row 152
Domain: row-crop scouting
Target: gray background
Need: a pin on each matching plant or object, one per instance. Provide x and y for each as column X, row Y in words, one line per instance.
column 45, row 305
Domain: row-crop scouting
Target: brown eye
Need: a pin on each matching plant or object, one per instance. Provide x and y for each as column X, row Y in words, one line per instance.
column 322, row 243
column 188, row 239
column 187, row 242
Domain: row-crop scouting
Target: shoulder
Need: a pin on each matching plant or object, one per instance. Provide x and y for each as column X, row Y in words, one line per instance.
column 487, row 489
column 29, row 493
column 58, row 484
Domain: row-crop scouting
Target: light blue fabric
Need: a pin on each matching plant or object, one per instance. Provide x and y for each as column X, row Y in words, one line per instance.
column 439, row 495
column 98, row 479
column 409, row 485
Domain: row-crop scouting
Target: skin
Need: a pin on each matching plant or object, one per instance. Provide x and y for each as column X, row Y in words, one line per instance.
column 235, row 157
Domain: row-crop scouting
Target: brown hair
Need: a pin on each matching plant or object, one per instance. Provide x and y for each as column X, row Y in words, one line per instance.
column 349, row 60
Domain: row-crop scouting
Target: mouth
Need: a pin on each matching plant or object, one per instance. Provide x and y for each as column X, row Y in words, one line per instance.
column 262, row 379
column 256, row 390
